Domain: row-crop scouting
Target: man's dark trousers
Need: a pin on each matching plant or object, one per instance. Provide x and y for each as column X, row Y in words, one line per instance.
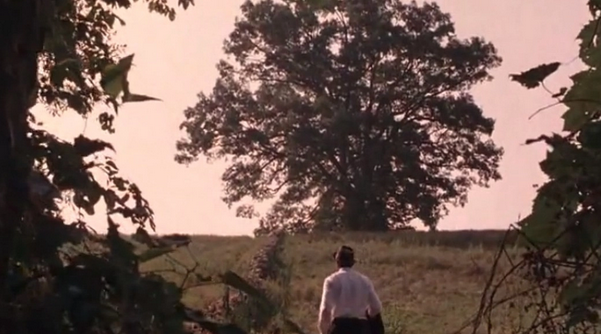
column 349, row 326
column 375, row 324
column 371, row 325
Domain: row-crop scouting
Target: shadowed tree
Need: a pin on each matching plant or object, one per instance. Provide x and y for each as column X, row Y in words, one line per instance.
column 352, row 115
column 56, row 274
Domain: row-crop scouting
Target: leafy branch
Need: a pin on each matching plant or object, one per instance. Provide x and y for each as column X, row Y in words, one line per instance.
column 561, row 267
column 56, row 275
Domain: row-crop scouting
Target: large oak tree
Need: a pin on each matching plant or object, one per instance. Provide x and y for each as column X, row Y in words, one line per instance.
column 353, row 115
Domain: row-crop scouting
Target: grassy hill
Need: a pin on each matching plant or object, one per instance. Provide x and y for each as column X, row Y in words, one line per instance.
column 428, row 282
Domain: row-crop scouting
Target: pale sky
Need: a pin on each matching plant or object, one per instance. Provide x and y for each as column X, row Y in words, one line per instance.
column 176, row 60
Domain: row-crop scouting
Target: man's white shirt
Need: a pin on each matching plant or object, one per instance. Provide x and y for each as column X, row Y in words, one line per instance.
column 347, row 293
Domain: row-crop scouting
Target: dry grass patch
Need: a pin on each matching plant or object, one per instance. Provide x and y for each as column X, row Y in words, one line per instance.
column 424, row 287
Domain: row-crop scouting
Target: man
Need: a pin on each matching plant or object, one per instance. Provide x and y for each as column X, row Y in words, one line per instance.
column 349, row 303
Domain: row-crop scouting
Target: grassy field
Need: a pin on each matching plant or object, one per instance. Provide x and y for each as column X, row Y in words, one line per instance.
column 428, row 282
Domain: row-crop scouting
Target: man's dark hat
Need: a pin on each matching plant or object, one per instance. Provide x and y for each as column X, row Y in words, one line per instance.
column 345, row 252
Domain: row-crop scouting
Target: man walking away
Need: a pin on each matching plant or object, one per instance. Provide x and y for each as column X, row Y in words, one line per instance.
column 349, row 303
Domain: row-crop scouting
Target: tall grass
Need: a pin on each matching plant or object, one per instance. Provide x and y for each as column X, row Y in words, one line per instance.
column 428, row 281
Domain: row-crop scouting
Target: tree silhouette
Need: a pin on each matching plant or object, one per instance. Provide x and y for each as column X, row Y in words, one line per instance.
column 354, row 114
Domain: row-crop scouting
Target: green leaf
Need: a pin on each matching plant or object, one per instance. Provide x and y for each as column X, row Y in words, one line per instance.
column 85, row 146
column 80, row 200
column 573, row 119
column 121, row 250
column 538, row 226
column 583, row 99
column 121, row 21
column 42, row 187
column 590, row 51
column 594, row 6
column 138, row 98
column 535, row 76
column 587, row 33
column 186, row 3
column 143, row 237
column 570, row 292
column 114, row 77
column 590, row 135
column 235, row 281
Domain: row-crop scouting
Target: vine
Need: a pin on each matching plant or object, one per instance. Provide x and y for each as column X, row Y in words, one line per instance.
column 560, row 271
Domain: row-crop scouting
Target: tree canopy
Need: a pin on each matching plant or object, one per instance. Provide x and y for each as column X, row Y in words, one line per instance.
column 347, row 114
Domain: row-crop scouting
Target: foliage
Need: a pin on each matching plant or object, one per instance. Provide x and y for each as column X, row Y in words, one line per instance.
column 58, row 276
column 247, row 305
column 562, row 270
column 78, row 50
column 535, row 76
column 267, row 312
column 352, row 115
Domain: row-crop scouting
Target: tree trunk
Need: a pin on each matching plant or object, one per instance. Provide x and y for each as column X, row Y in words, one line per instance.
column 21, row 37
column 377, row 215
column 352, row 213
column 363, row 209
column 364, row 213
